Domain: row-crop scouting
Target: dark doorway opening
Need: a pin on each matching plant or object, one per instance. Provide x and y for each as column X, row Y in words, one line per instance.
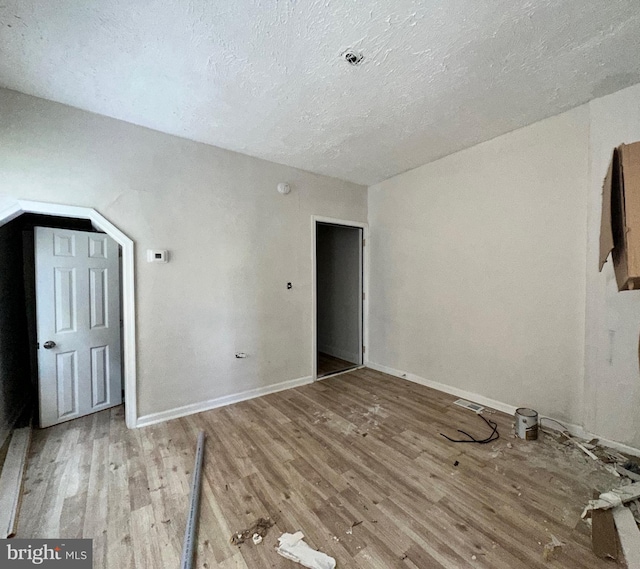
column 339, row 297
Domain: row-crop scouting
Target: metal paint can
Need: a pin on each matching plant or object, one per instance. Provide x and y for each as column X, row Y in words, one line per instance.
column 526, row 424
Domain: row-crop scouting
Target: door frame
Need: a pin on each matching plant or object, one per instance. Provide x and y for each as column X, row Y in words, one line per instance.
column 315, row 219
column 128, row 284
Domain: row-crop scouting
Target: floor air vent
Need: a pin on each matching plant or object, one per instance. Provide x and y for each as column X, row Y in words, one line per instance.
column 469, row 405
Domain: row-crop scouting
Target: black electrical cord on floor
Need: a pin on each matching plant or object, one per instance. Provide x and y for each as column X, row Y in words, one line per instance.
column 494, row 436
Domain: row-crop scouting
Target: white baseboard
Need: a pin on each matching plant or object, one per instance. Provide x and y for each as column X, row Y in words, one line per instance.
column 475, row 397
column 185, row 410
column 339, row 353
column 581, row 432
column 576, row 430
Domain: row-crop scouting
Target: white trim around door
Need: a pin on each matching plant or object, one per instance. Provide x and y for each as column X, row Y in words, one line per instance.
column 315, row 219
column 128, row 284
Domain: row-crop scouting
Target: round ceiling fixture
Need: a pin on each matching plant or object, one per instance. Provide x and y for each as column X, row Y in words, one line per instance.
column 352, row 56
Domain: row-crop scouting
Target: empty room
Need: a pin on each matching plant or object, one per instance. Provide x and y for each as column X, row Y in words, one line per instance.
column 337, row 284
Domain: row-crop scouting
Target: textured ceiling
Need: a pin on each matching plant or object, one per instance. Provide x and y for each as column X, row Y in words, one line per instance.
column 265, row 78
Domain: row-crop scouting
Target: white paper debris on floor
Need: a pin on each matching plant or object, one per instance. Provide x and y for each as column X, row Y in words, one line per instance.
column 292, row 546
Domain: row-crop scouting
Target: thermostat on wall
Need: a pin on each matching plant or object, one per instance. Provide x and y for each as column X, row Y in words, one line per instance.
column 157, row 256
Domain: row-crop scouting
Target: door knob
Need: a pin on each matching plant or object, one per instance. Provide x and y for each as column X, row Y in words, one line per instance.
column 49, row 344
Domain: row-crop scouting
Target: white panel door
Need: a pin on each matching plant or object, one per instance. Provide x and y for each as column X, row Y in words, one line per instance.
column 78, row 315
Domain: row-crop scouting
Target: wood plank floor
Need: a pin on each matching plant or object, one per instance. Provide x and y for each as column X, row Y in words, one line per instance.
column 330, row 364
column 360, row 447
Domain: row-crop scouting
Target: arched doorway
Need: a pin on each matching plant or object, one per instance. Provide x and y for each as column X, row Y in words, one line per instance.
column 128, row 283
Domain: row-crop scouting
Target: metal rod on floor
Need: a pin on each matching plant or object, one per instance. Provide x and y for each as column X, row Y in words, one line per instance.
column 186, row 561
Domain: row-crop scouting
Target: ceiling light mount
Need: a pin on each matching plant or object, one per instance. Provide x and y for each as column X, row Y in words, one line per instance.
column 352, row 56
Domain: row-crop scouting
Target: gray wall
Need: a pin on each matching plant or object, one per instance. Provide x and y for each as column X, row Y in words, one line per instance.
column 612, row 380
column 234, row 243
column 339, row 283
column 479, row 264
column 14, row 356
column 486, row 274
